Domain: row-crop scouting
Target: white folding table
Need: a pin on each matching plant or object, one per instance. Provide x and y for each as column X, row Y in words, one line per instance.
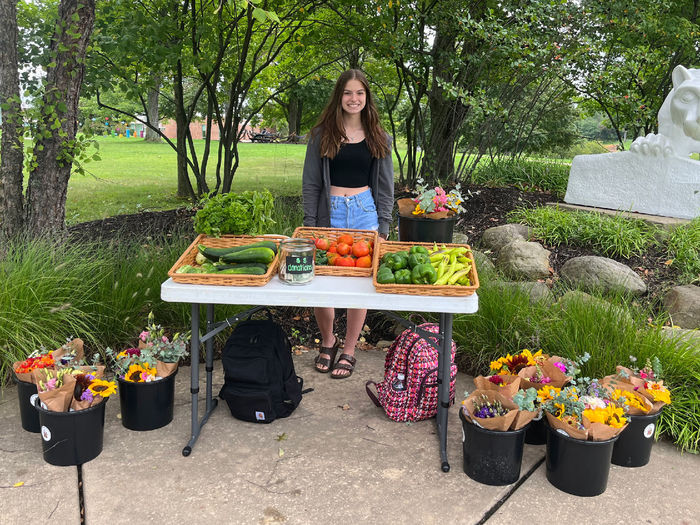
column 322, row 291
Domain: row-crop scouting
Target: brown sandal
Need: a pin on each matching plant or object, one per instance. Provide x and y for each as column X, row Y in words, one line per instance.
column 342, row 366
column 326, row 361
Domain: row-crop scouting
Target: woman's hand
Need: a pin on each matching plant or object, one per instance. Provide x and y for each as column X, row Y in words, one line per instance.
column 384, row 236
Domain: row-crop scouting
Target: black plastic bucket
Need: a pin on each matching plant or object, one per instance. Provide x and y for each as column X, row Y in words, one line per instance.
column 27, row 413
column 536, row 433
column 419, row 229
column 576, row 466
column 491, row 457
column 72, row 438
column 633, row 445
column 147, row 406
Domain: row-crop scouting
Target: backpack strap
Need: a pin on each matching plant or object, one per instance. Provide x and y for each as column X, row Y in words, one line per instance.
column 371, row 394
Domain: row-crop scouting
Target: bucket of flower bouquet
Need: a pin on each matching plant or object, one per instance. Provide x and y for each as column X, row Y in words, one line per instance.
column 583, row 425
column 71, row 408
column 431, row 215
column 26, row 385
column 538, row 371
column 146, row 376
column 493, row 434
column 642, row 394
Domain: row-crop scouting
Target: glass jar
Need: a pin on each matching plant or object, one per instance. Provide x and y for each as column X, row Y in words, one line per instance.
column 297, row 261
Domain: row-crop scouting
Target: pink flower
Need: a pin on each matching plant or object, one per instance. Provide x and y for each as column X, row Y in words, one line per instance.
column 561, row 366
column 144, row 335
column 164, row 339
column 51, row 384
column 643, row 374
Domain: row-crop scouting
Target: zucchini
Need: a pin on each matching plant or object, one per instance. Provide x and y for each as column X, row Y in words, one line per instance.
column 224, row 266
column 250, row 255
column 214, row 254
column 244, row 269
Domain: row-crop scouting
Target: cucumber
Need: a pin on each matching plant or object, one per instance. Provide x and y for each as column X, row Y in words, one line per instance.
column 251, row 255
column 214, row 254
column 243, row 269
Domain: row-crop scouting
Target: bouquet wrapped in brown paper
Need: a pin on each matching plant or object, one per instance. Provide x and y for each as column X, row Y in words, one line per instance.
column 490, row 409
column 55, row 388
column 541, row 374
column 506, row 385
column 90, row 390
column 647, row 382
column 585, row 413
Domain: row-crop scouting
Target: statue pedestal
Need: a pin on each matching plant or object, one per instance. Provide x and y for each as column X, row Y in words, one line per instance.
column 627, row 181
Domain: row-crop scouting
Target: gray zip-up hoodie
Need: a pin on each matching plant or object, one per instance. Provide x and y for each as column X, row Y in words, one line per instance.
column 316, row 187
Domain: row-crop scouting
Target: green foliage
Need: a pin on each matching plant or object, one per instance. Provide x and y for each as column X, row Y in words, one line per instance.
column 249, row 212
column 612, row 236
column 525, row 174
column 587, row 147
column 683, row 248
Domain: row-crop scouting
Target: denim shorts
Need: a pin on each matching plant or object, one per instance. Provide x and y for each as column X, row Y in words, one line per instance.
column 356, row 212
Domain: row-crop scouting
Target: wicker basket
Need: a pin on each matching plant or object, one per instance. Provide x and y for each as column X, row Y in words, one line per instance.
column 332, row 234
column 225, row 241
column 422, row 289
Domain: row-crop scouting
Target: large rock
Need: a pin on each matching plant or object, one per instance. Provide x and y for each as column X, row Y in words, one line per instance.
column 536, row 291
column 524, row 260
column 459, row 238
column 483, row 263
column 497, row 237
column 683, row 305
column 600, row 273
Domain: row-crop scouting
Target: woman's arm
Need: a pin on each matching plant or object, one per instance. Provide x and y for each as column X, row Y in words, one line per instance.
column 385, row 190
column 311, row 181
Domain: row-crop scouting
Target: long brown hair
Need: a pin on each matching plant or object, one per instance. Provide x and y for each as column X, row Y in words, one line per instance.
column 330, row 124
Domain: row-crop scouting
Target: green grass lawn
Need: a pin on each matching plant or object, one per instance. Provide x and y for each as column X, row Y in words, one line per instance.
column 134, row 175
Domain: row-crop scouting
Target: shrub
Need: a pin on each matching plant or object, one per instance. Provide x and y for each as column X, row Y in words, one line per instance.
column 525, row 174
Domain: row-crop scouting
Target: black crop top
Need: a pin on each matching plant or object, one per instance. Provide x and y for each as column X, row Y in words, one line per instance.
column 351, row 167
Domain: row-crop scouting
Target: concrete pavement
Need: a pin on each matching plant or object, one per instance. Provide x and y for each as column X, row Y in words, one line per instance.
column 337, row 459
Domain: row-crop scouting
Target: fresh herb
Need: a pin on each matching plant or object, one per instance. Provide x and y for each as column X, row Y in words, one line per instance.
column 248, row 212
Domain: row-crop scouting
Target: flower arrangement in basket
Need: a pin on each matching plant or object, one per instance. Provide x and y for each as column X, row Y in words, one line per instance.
column 639, row 391
column 64, row 380
column 156, row 356
column 432, row 203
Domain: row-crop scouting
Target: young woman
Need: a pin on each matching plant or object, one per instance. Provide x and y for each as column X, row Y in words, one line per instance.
column 348, row 182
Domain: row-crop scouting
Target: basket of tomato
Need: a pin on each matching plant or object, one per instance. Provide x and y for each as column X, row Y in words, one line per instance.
column 341, row 252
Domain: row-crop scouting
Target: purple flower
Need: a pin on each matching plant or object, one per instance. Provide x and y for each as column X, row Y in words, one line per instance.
column 87, row 396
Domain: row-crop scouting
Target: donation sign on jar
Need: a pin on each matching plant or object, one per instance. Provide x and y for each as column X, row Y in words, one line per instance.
column 297, row 261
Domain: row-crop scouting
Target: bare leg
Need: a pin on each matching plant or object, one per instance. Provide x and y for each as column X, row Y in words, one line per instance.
column 324, row 320
column 356, row 320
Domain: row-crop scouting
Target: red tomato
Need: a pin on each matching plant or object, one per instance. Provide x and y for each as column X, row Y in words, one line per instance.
column 345, row 238
column 332, row 256
column 322, row 243
column 364, row 262
column 333, row 249
column 344, row 261
column 360, row 248
column 343, row 248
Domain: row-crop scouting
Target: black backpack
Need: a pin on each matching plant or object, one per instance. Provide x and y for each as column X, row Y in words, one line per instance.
column 260, row 383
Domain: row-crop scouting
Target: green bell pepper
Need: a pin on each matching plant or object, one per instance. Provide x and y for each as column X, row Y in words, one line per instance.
column 395, row 261
column 418, row 249
column 385, row 276
column 403, row 276
column 423, row 274
column 415, row 259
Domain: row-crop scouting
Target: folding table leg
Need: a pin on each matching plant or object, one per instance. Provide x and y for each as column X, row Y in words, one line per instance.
column 444, row 366
column 194, row 379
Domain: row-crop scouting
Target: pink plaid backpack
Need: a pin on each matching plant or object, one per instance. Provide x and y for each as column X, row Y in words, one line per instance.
column 417, row 359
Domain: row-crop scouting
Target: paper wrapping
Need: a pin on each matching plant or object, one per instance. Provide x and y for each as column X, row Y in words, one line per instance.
column 637, row 386
column 499, row 423
column 165, row 369
column 59, row 399
column 569, row 430
column 610, row 383
column 558, row 378
column 512, row 385
column 73, row 346
column 76, row 404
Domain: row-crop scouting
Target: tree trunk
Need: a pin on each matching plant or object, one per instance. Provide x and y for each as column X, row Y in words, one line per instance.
column 11, row 153
column 184, row 186
column 55, row 142
column 446, row 116
column 153, row 117
column 294, row 115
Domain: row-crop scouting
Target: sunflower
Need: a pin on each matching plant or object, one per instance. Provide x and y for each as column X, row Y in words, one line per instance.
column 102, row 387
column 611, row 415
column 547, row 392
column 623, row 398
column 139, row 373
column 658, row 391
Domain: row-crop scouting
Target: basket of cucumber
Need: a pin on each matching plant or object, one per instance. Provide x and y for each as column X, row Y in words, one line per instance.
column 233, row 260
